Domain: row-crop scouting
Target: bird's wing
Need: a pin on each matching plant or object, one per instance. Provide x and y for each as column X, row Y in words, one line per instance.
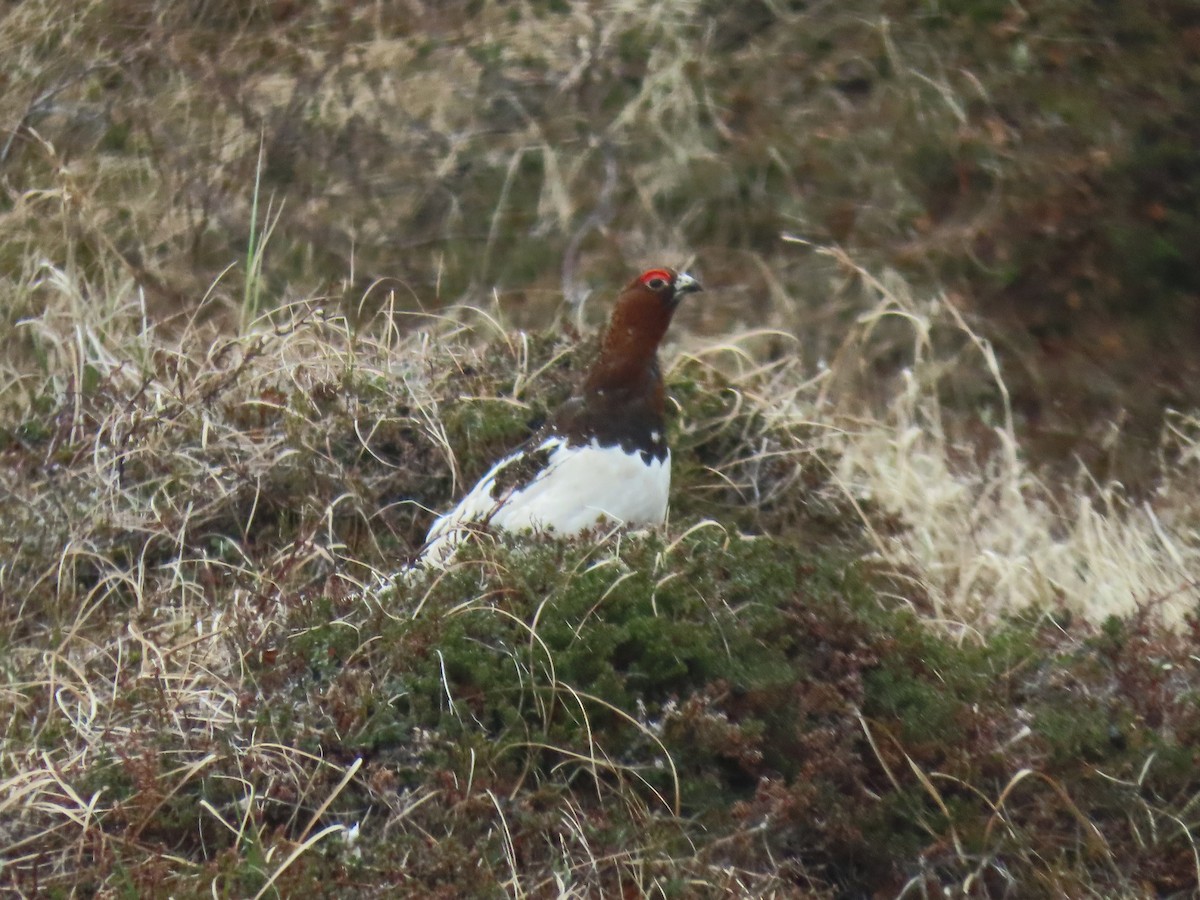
column 514, row 473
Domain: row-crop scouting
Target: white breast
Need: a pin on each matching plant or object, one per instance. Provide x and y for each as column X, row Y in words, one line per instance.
column 577, row 488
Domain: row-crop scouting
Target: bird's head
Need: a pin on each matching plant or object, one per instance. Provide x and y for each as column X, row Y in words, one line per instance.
column 644, row 309
column 639, row 321
column 664, row 286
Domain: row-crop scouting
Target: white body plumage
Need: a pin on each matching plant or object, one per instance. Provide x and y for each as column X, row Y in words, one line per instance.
column 572, row 489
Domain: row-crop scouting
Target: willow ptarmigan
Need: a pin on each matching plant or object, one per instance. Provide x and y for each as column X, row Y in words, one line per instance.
column 603, row 455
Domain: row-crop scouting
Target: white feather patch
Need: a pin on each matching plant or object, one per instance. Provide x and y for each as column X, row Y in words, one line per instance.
column 578, row 487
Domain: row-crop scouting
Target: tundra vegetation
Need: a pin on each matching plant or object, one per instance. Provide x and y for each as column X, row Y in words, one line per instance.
column 280, row 279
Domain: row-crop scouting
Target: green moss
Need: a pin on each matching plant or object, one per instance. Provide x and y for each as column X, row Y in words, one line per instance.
column 107, row 777
column 1075, row 730
column 575, row 653
column 927, row 684
column 480, row 430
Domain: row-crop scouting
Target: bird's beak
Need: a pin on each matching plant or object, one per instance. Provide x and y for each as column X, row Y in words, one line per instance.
column 686, row 284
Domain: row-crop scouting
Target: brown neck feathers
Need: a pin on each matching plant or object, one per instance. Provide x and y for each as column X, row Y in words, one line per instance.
column 628, row 357
column 621, row 401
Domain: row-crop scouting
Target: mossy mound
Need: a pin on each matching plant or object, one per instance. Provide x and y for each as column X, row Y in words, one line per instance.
column 699, row 711
column 749, row 713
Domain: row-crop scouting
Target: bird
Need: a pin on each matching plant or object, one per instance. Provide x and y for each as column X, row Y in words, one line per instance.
column 602, row 456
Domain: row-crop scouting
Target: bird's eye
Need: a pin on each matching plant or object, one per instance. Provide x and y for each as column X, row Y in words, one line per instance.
column 656, row 284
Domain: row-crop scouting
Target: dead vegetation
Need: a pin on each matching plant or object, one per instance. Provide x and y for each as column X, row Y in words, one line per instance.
column 200, row 696
column 280, row 279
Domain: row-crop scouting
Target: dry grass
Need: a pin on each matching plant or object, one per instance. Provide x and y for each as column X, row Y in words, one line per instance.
column 177, row 496
column 265, row 270
column 171, row 499
column 981, row 532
